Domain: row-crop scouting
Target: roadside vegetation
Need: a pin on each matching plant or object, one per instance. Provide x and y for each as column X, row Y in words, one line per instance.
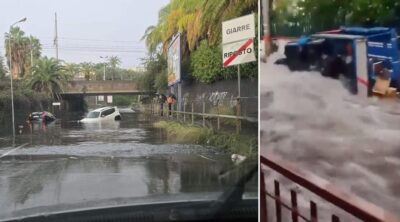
column 232, row 143
column 295, row 17
column 199, row 23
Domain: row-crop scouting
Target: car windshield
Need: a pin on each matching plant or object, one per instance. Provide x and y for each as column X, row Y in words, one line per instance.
column 93, row 115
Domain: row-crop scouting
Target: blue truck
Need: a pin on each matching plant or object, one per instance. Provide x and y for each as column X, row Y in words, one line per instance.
column 362, row 55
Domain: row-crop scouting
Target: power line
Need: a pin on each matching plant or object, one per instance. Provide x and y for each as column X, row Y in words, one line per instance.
column 95, row 40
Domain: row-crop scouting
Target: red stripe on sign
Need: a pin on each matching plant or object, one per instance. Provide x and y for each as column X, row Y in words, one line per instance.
column 230, row 59
column 362, row 81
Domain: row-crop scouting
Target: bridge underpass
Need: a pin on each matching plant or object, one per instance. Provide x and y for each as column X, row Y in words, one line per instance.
column 75, row 91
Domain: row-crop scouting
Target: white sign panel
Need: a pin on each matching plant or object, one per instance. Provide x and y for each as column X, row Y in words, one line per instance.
column 238, row 29
column 109, row 99
column 56, row 104
column 238, row 52
column 100, row 98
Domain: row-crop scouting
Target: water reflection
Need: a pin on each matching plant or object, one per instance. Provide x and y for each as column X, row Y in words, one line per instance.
column 49, row 181
column 73, row 165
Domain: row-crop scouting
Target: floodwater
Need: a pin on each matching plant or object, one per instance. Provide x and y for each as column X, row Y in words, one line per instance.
column 314, row 123
column 67, row 165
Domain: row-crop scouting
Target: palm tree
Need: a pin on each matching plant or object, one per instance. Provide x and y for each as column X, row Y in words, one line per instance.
column 2, row 68
column 177, row 16
column 70, row 69
column 15, row 38
column 33, row 50
column 114, row 61
column 196, row 20
column 23, row 48
column 87, row 69
column 47, row 77
column 215, row 12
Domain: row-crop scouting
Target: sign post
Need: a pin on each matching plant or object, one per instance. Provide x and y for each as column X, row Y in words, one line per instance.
column 238, row 81
column 238, row 42
column 237, row 48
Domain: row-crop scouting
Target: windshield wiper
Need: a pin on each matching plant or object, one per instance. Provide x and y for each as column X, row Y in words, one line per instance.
column 233, row 195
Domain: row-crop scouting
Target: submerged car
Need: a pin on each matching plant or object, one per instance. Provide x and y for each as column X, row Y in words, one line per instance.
column 102, row 114
column 44, row 116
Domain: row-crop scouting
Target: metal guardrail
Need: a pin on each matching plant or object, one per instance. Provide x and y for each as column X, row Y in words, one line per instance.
column 353, row 205
column 249, row 119
column 182, row 115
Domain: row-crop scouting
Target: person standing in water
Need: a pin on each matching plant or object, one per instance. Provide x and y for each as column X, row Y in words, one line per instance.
column 170, row 101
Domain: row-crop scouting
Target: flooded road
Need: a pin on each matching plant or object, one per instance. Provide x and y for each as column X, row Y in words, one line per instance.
column 67, row 165
column 314, row 123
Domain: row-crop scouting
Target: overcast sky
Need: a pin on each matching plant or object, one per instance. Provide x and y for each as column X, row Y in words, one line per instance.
column 87, row 29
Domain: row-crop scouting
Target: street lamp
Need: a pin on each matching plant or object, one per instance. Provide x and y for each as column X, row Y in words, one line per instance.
column 11, row 80
column 104, row 73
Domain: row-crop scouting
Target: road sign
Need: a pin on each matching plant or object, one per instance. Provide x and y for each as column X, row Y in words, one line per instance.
column 238, row 52
column 238, row 29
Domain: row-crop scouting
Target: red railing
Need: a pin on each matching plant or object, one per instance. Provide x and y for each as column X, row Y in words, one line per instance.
column 353, row 205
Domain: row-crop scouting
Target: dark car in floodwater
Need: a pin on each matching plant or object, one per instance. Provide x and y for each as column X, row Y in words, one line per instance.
column 44, row 116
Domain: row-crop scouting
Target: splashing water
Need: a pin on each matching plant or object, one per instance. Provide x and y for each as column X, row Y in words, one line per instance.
column 314, row 122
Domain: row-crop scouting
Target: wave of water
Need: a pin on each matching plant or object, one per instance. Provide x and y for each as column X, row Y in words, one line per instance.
column 315, row 123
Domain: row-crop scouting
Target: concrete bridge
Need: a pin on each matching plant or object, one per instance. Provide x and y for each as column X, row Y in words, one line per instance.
column 108, row 87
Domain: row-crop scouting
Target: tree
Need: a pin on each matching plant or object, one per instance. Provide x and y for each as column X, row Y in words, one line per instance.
column 70, row 69
column 21, row 48
column 2, row 68
column 114, row 62
column 32, row 53
column 48, row 77
column 88, row 70
column 195, row 20
column 155, row 65
column 309, row 16
column 199, row 24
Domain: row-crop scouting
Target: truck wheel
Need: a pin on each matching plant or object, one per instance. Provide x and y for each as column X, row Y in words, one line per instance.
column 326, row 69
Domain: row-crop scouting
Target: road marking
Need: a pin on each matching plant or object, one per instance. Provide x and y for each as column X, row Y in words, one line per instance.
column 12, row 150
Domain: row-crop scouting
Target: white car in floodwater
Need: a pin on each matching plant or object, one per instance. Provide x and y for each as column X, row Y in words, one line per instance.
column 102, row 114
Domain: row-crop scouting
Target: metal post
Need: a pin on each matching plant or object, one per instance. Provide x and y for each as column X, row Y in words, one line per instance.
column 184, row 110
column 204, row 111
column 12, row 92
column 238, row 114
column 176, row 110
column 263, row 198
column 56, row 37
column 192, row 113
column 218, row 123
column 238, row 81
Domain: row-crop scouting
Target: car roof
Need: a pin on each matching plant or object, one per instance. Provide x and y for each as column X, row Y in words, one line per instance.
column 102, row 109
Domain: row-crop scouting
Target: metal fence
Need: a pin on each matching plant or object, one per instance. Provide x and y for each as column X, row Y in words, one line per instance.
column 275, row 199
column 227, row 114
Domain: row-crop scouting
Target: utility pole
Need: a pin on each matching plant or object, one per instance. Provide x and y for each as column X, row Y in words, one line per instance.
column 30, row 40
column 105, row 63
column 11, row 81
column 56, row 36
